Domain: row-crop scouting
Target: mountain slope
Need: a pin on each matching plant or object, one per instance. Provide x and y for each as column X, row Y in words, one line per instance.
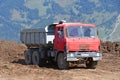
column 19, row 14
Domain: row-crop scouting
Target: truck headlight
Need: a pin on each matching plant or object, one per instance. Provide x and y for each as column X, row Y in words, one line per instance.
column 70, row 55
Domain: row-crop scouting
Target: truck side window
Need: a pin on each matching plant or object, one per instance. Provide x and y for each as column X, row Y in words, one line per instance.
column 60, row 33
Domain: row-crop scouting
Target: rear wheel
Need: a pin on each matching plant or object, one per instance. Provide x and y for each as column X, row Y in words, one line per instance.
column 35, row 58
column 91, row 64
column 28, row 57
column 62, row 63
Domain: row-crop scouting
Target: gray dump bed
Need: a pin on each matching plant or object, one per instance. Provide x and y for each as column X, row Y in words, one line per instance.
column 38, row 36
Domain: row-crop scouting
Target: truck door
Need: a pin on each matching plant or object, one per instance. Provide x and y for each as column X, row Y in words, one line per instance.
column 59, row 39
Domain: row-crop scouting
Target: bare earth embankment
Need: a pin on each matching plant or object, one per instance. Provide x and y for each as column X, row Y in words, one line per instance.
column 12, row 66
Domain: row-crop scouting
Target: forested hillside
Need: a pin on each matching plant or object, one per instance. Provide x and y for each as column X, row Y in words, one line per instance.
column 16, row 15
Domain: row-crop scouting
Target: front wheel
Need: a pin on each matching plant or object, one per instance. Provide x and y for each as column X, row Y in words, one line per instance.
column 91, row 64
column 62, row 63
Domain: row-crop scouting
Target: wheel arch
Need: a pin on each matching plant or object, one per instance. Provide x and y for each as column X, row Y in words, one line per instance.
column 58, row 54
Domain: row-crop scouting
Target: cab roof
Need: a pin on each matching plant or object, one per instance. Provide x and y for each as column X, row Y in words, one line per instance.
column 75, row 24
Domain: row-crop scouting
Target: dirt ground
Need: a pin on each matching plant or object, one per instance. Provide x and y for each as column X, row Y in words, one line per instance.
column 12, row 66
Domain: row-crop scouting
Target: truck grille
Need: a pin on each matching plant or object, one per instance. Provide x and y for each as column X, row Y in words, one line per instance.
column 84, row 47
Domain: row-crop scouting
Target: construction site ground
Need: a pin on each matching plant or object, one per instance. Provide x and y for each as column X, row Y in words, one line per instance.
column 13, row 67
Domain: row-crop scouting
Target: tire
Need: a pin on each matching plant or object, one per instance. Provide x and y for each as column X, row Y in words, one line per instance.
column 35, row 58
column 28, row 57
column 90, row 64
column 61, row 62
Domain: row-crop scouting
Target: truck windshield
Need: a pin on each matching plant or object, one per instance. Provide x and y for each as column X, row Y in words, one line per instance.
column 81, row 31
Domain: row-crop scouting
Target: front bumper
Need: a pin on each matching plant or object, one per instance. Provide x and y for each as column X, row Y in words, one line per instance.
column 75, row 56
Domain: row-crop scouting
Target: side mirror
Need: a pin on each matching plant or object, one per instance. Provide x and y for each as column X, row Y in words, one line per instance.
column 59, row 32
column 97, row 32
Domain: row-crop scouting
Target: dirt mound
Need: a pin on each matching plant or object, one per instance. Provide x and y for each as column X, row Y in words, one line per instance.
column 10, row 50
column 111, row 47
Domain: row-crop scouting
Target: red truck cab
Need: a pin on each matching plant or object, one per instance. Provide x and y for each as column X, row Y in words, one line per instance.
column 76, row 42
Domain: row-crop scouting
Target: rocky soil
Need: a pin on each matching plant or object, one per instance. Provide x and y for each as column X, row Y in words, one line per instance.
column 13, row 67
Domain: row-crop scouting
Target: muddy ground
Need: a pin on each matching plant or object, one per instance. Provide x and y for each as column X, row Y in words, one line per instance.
column 12, row 66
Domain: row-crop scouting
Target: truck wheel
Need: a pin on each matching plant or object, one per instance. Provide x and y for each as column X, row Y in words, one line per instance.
column 35, row 58
column 91, row 64
column 62, row 63
column 28, row 58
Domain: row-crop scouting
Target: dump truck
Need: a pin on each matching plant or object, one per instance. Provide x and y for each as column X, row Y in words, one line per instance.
column 63, row 43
